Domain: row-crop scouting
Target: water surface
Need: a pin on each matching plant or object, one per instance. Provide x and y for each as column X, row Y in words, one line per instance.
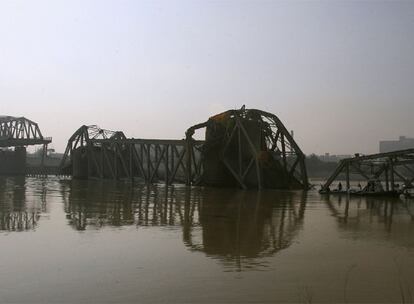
column 93, row 241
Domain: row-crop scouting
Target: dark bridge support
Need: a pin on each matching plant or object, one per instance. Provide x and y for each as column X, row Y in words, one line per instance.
column 13, row 162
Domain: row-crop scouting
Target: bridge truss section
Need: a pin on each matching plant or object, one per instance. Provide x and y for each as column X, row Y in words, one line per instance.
column 242, row 148
column 19, row 132
column 252, row 149
column 388, row 168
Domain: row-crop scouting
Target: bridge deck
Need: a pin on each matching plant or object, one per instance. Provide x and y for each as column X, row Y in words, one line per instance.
column 24, row 142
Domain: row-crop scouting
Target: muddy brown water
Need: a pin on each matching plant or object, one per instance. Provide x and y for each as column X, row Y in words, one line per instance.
column 91, row 241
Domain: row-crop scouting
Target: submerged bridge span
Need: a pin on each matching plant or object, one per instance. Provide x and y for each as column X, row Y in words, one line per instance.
column 386, row 167
column 242, row 148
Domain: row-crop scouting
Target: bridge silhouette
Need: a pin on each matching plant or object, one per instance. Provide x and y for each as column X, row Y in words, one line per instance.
column 244, row 148
column 19, row 132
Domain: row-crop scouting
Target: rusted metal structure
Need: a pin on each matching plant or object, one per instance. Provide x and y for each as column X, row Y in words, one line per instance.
column 249, row 148
column 244, row 148
column 385, row 167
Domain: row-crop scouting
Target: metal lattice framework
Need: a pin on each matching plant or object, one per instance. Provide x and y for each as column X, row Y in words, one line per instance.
column 385, row 167
column 254, row 147
column 268, row 157
column 20, row 131
column 87, row 137
column 111, row 155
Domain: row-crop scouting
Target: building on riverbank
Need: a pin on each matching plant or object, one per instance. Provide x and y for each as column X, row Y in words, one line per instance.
column 402, row 143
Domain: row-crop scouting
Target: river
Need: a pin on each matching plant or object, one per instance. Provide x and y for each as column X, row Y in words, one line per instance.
column 93, row 241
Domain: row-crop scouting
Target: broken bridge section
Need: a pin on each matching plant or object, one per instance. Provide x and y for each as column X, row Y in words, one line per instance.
column 95, row 153
column 249, row 148
column 388, row 168
column 242, row 148
column 87, row 156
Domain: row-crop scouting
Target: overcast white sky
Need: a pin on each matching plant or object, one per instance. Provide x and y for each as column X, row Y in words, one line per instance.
column 340, row 74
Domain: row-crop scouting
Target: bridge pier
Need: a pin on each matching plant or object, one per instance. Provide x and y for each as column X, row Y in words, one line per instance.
column 13, row 162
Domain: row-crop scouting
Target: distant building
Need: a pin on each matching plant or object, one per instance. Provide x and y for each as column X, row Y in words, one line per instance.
column 393, row 145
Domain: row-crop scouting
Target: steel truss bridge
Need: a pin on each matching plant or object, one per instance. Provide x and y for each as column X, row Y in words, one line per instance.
column 109, row 154
column 386, row 167
column 250, row 148
column 20, row 131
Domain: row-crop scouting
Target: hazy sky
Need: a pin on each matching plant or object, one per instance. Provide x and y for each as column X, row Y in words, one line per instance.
column 340, row 74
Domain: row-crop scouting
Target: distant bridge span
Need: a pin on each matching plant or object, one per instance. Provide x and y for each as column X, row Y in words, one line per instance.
column 19, row 132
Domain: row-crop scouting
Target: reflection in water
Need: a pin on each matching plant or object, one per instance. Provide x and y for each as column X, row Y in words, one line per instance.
column 384, row 218
column 223, row 223
column 241, row 226
column 17, row 213
column 149, row 244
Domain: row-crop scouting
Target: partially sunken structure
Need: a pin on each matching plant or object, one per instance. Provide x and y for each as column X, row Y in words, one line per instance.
column 382, row 168
column 244, row 148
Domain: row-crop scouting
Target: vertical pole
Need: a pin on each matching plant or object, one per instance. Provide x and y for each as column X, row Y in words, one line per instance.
column 240, row 153
column 44, row 151
column 188, row 148
column 130, row 162
column 392, row 174
column 101, row 161
column 166, row 165
column 304, row 174
column 115, row 163
column 284, row 151
column 141, row 153
column 149, row 162
column 387, row 182
column 347, row 176
column 172, row 162
column 88, row 159
column 155, row 162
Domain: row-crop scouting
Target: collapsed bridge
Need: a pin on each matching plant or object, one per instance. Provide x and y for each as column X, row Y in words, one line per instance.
column 387, row 168
column 244, row 148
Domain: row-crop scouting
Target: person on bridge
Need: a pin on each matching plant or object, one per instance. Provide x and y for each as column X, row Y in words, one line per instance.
column 340, row 186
